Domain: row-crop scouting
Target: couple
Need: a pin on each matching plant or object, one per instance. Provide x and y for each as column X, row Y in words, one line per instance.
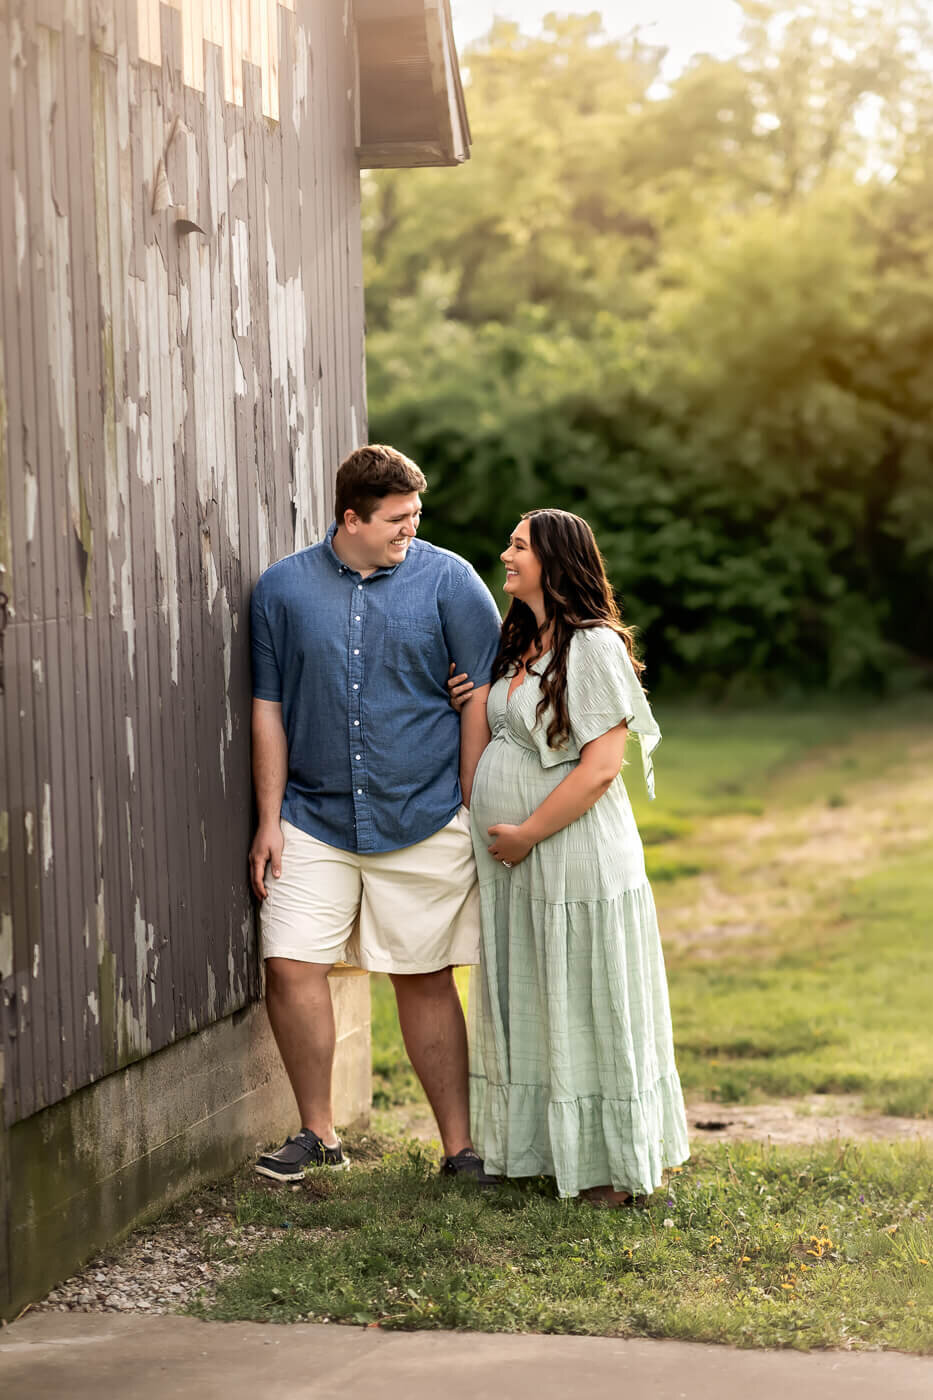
column 378, row 810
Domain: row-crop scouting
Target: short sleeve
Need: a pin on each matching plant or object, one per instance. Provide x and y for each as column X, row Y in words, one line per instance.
column 603, row 691
column 267, row 681
column 472, row 627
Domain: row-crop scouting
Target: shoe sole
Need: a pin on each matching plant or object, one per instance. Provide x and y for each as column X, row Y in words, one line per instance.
column 300, row 1175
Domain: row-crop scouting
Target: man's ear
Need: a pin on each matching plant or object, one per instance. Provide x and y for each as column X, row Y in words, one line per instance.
column 351, row 521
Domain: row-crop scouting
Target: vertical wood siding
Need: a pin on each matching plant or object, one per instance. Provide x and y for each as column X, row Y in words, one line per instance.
column 181, row 369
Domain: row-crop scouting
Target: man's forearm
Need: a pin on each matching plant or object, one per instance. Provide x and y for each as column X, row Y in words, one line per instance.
column 474, row 736
column 270, row 760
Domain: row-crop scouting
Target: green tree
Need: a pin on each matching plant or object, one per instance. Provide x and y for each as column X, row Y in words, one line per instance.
column 701, row 316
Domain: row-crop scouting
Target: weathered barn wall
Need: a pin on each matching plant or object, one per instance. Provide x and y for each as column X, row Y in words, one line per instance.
column 181, row 370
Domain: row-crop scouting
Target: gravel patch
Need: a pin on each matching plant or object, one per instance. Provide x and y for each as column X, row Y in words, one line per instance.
column 171, row 1263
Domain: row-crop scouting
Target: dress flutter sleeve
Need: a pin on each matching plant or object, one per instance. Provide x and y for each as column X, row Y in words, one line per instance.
column 603, row 691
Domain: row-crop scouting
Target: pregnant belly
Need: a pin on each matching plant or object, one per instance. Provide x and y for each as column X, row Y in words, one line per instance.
column 510, row 783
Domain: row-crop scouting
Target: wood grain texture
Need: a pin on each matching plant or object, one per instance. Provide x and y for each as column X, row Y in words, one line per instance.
column 177, row 389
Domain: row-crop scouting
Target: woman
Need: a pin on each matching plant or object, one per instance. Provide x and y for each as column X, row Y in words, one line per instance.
column 572, row 1072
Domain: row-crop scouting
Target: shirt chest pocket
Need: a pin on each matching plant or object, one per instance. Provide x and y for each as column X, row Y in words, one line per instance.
column 413, row 647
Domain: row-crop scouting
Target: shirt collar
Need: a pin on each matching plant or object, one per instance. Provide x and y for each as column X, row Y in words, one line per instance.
column 343, row 568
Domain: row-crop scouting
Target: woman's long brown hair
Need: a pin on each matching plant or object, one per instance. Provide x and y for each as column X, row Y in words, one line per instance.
column 577, row 595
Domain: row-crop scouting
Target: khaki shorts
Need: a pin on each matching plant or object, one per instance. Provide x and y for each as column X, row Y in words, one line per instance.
column 407, row 911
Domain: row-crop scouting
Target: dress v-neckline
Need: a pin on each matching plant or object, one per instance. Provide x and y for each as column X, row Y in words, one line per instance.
column 513, row 690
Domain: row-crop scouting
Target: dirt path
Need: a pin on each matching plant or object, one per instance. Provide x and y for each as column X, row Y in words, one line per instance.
column 781, row 867
column 812, row 1118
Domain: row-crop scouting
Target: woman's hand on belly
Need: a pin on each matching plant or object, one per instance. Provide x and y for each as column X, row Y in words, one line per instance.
column 510, row 845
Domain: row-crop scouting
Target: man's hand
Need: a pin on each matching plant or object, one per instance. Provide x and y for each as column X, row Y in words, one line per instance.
column 266, row 850
column 510, row 845
column 460, row 688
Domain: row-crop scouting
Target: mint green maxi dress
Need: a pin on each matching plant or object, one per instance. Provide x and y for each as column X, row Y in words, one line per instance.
column 572, row 1070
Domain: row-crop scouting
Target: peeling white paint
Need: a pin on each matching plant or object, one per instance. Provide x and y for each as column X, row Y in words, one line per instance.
column 129, row 840
column 354, row 428
column 100, row 823
column 236, row 158
column 4, row 832
column 19, row 216
column 228, row 641
column 240, row 385
column 300, row 76
column 287, row 341
column 36, row 959
column 46, row 828
column 6, row 946
column 29, row 822
column 32, row 500
column 38, row 669
column 210, row 570
column 239, row 239
column 55, row 240
column 164, row 481
column 131, row 747
column 94, row 1006
column 16, row 55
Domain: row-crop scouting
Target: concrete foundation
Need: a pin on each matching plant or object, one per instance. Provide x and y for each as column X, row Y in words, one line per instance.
column 78, row 1175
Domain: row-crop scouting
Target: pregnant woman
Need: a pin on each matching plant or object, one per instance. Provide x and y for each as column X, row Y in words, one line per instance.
column 572, row 1072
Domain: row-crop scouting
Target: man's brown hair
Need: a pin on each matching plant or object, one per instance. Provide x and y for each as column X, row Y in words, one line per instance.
column 369, row 474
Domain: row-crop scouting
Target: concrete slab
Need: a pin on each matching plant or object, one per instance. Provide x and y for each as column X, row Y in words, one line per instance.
column 97, row 1356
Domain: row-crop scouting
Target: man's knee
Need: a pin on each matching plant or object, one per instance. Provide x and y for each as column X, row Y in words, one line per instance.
column 288, row 974
column 438, row 983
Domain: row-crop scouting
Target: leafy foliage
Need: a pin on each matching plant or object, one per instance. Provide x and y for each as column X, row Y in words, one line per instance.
column 699, row 314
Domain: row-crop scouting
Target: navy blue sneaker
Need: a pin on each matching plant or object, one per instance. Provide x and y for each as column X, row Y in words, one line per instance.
column 299, row 1155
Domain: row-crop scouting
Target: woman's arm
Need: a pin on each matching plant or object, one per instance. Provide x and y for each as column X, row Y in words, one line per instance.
column 474, row 736
column 600, row 761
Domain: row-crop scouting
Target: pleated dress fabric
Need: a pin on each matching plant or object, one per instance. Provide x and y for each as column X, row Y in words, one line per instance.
column 572, row 1071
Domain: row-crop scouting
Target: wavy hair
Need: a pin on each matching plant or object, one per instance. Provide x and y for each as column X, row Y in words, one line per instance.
column 577, row 595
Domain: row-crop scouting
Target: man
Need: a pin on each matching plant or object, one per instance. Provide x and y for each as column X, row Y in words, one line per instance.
column 362, row 774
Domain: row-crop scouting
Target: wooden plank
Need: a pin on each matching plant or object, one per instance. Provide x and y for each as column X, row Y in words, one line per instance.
column 17, row 734
column 177, row 721
column 45, row 1053
column 193, row 480
column 53, row 686
column 90, row 504
column 77, row 833
column 158, row 809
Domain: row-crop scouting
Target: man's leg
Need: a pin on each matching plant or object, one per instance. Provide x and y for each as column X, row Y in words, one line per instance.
column 434, row 1032
column 302, row 1018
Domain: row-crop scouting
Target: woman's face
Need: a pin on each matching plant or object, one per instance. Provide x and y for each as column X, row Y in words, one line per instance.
column 522, row 565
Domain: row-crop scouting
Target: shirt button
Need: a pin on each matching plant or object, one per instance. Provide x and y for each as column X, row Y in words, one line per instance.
column 359, row 792
column 356, row 651
column 355, row 686
column 356, row 724
column 357, row 618
column 358, row 757
column 359, row 588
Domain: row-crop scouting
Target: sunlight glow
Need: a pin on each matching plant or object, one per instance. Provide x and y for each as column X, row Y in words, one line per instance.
column 682, row 26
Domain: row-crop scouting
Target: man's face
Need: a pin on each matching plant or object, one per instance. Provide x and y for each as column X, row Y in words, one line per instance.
column 382, row 541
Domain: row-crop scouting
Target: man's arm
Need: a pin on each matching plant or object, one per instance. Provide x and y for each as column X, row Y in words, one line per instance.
column 474, row 736
column 270, row 774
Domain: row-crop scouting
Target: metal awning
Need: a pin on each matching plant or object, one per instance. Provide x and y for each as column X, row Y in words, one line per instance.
column 412, row 108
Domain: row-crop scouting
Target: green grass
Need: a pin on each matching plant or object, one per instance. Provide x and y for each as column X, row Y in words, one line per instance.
column 803, row 1247
column 834, row 1001
column 757, row 1247
column 843, row 1007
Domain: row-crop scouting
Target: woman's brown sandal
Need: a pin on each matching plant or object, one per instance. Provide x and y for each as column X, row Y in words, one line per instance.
column 607, row 1198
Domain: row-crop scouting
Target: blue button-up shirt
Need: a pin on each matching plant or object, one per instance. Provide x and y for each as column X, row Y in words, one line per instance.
column 360, row 666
